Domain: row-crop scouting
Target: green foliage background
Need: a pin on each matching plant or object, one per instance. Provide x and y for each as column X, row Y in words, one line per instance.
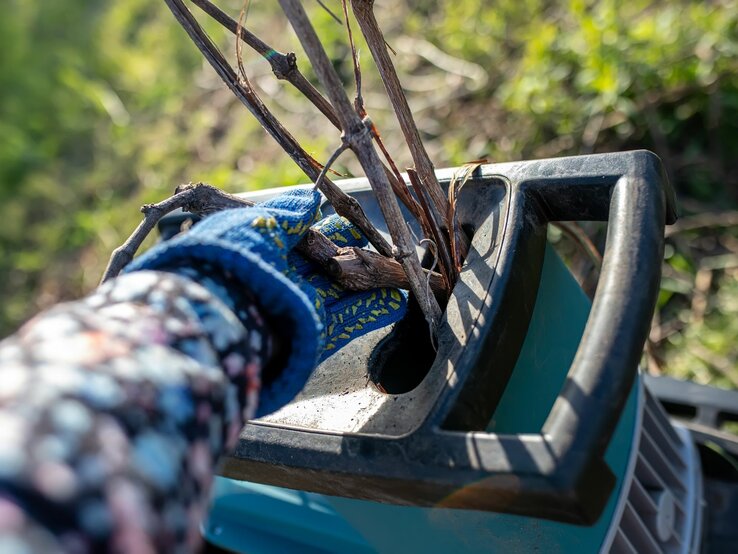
column 106, row 105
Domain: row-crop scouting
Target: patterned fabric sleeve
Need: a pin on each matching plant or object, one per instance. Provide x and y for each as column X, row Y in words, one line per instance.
column 114, row 409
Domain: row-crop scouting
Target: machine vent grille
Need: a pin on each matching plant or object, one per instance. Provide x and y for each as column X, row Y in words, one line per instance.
column 662, row 510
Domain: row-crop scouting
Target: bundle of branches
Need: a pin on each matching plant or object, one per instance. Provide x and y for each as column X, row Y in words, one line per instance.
column 394, row 264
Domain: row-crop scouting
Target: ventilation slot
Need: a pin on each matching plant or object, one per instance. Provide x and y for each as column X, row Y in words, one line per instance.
column 661, row 512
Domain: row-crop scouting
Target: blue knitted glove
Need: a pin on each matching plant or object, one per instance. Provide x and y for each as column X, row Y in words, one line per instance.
column 348, row 314
column 255, row 246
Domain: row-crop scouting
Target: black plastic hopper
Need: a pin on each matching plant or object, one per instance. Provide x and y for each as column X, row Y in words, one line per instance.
column 426, row 443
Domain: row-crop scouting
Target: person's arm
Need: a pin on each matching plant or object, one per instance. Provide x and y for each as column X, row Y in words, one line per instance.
column 114, row 409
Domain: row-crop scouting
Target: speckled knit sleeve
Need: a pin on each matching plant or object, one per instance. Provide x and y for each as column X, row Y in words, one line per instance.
column 114, row 409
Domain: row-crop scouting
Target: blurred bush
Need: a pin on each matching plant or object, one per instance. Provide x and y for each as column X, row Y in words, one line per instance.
column 106, row 105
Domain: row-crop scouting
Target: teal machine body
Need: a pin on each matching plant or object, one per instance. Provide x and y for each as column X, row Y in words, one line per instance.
column 531, row 430
column 260, row 519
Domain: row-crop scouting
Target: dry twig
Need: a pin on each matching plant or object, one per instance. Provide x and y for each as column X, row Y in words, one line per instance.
column 357, row 269
column 284, row 66
column 352, row 268
column 364, row 13
column 343, row 203
column 695, row 222
column 331, row 160
column 393, row 173
column 457, row 250
column 359, row 138
column 420, row 210
column 434, row 231
column 203, row 198
column 581, row 239
column 329, row 12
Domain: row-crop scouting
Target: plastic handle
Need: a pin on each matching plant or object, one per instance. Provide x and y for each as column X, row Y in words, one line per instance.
column 606, row 361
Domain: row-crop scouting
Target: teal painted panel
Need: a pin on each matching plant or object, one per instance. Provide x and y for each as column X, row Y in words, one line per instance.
column 401, row 529
column 559, row 317
column 259, row 519
column 345, row 525
column 554, row 332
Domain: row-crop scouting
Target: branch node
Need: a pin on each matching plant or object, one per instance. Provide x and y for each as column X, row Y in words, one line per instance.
column 284, row 66
column 400, row 255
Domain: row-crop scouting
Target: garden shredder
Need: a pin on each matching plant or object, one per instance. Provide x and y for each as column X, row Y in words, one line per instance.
column 526, row 426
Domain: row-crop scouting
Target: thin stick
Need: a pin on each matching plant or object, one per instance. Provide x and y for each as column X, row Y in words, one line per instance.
column 695, row 222
column 575, row 232
column 336, row 154
column 457, row 250
column 207, row 197
column 393, row 174
column 284, row 66
column 329, row 12
column 442, row 253
column 344, row 204
column 357, row 269
column 352, row 268
column 398, row 183
column 246, row 95
column 363, row 11
column 359, row 138
column 358, row 99
column 239, row 52
column 424, row 216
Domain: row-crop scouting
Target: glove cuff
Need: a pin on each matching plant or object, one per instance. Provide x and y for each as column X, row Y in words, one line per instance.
column 278, row 298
